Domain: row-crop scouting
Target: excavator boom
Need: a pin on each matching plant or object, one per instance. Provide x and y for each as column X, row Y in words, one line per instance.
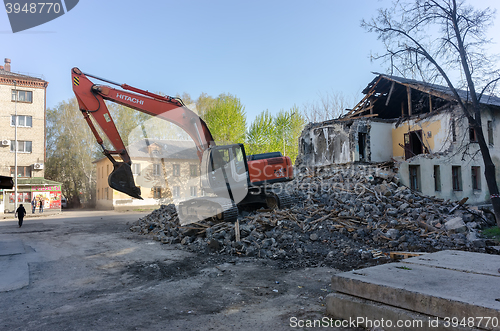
column 91, row 102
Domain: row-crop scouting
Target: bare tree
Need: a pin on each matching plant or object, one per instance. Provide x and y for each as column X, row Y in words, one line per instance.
column 446, row 40
column 330, row 105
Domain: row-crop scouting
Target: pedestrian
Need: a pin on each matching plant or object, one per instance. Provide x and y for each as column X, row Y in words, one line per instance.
column 33, row 205
column 41, row 205
column 20, row 212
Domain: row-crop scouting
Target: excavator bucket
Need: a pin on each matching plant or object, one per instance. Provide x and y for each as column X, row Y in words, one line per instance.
column 121, row 179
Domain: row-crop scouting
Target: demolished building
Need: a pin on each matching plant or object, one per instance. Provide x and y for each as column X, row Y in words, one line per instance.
column 418, row 126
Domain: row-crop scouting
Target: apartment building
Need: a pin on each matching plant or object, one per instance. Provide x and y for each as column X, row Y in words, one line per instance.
column 22, row 119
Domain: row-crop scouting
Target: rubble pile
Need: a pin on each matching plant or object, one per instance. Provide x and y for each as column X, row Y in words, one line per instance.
column 344, row 217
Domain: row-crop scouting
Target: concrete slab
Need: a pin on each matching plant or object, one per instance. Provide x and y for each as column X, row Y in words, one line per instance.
column 14, row 273
column 461, row 261
column 445, row 284
column 358, row 312
column 11, row 247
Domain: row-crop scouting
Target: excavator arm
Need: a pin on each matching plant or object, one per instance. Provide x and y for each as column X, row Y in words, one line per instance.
column 91, row 98
column 229, row 178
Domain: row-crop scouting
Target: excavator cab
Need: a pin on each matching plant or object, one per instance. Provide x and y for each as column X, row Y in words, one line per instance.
column 122, row 179
column 225, row 171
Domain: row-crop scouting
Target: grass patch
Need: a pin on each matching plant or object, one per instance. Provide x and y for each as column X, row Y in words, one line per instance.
column 492, row 233
column 403, row 268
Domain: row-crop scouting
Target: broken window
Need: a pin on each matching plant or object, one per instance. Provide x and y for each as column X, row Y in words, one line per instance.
column 490, row 133
column 413, row 144
column 456, row 174
column 414, row 171
column 437, row 178
column 476, row 178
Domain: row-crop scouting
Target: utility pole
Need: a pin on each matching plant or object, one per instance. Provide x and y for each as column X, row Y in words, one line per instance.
column 15, row 147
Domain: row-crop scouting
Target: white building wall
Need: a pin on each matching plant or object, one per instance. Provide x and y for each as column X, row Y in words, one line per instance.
column 462, row 153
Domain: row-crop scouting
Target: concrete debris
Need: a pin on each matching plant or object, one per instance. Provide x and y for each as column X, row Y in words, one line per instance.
column 344, row 215
column 456, row 224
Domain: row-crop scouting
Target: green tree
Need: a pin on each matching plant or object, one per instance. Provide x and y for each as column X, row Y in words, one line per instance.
column 444, row 39
column 70, row 151
column 226, row 119
column 269, row 133
column 260, row 134
column 204, row 103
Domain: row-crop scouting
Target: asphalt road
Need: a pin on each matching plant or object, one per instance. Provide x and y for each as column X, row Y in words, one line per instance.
column 87, row 271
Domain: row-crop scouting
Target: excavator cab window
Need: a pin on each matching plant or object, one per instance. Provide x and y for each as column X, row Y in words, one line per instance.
column 239, row 160
column 219, row 158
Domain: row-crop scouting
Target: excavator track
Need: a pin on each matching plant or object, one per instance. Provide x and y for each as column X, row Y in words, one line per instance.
column 230, row 212
column 193, row 210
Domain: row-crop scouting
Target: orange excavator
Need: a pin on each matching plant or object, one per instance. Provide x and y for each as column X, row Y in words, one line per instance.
column 230, row 178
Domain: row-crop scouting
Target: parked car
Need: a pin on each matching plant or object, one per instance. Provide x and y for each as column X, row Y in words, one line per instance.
column 64, row 203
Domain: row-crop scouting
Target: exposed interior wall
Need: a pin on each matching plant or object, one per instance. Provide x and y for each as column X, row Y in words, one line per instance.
column 324, row 144
column 380, row 140
column 436, row 133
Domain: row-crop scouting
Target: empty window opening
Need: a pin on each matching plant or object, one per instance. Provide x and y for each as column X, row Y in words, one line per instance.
column 362, row 146
column 437, row 178
column 413, row 144
column 453, row 131
column 490, row 133
column 472, row 135
column 414, row 171
column 476, row 178
column 456, row 174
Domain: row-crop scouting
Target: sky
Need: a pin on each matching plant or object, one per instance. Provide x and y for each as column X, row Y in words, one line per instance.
column 272, row 55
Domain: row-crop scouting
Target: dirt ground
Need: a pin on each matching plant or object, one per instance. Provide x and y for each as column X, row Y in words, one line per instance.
column 89, row 272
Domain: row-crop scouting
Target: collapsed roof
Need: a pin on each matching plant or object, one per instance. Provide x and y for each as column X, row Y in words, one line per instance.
column 390, row 97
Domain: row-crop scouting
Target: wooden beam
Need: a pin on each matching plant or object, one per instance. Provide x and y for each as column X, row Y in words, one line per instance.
column 361, row 102
column 390, row 93
column 430, row 103
column 426, row 89
column 357, row 117
column 408, row 95
column 361, row 111
column 369, row 94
